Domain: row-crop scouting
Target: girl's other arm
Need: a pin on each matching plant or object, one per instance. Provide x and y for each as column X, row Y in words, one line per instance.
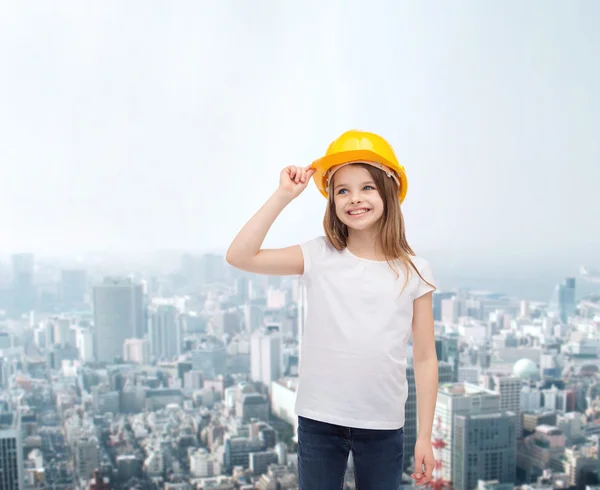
column 245, row 251
column 426, row 380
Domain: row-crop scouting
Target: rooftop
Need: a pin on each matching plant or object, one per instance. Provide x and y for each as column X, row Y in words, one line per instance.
column 7, row 420
column 486, row 416
column 463, row 389
column 548, row 430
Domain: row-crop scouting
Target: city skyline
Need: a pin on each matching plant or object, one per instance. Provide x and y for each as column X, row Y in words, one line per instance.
column 533, row 283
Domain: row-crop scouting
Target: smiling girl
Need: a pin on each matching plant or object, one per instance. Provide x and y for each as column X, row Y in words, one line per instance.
column 367, row 293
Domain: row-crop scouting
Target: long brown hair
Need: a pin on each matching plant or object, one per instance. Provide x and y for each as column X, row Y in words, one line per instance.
column 392, row 235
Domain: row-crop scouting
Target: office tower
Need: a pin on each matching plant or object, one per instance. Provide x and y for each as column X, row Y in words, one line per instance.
column 438, row 297
column 118, row 315
column 164, row 332
column 86, row 455
column 484, row 448
column 253, row 317
column 450, row 310
column 242, row 289
column 11, row 452
column 84, row 340
column 509, row 388
column 460, row 399
column 266, row 356
column 23, row 288
column 136, row 351
column 563, row 300
column 446, row 348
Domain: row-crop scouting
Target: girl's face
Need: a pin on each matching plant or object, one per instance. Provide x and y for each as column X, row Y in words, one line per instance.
column 357, row 201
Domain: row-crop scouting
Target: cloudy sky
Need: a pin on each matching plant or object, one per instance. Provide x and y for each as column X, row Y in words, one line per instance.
column 164, row 125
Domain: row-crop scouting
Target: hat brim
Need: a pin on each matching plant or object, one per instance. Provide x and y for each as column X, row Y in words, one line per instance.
column 322, row 165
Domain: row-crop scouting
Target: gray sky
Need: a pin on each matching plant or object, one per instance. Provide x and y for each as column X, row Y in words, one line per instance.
column 147, row 125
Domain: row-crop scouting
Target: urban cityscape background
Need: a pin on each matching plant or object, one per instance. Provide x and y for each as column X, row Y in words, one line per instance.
column 136, row 138
column 187, row 380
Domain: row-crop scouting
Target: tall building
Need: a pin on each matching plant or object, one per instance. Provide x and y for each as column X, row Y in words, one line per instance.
column 450, row 310
column 563, row 300
column 446, row 348
column 242, row 289
column 253, row 317
column 86, row 455
column 84, row 340
column 509, row 388
column 63, row 331
column 136, row 351
column 11, row 452
column 460, row 399
column 23, row 288
column 410, row 408
column 483, row 448
column 118, row 315
column 266, row 356
column 438, row 297
column 164, row 332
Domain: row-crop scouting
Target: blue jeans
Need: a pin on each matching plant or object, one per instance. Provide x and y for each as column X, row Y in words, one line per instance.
column 323, row 451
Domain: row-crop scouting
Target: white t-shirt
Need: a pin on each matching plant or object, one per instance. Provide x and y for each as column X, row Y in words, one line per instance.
column 353, row 354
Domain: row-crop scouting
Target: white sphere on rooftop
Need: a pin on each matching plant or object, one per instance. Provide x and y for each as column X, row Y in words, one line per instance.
column 526, row 369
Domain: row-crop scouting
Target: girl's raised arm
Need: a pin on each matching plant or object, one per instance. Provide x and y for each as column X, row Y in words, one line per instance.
column 245, row 251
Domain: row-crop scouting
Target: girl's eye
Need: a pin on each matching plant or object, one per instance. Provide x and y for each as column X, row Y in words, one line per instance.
column 341, row 191
column 369, row 188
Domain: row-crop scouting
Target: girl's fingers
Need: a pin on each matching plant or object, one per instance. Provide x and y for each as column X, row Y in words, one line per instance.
column 300, row 174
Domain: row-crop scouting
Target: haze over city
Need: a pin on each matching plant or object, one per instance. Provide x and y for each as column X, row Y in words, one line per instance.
column 132, row 127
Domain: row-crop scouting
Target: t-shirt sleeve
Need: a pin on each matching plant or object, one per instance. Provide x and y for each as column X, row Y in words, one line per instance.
column 427, row 274
column 313, row 251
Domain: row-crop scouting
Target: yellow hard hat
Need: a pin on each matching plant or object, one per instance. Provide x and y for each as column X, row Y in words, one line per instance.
column 356, row 146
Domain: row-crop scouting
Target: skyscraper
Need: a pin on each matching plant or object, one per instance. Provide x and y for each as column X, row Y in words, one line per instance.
column 266, row 356
column 509, row 388
column 483, row 448
column 164, row 332
column 563, row 300
column 460, row 399
column 446, row 348
column 118, row 315
column 11, row 452
column 23, row 288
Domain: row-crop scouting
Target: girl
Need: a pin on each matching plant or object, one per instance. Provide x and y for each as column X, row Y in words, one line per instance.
column 367, row 292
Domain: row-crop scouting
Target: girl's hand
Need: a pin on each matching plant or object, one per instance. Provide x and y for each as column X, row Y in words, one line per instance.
column 293, row 180
column 423, row 459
